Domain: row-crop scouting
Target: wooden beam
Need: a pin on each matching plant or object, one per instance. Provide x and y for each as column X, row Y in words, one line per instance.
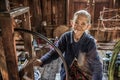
column 15, row 12
column 44, row 10
column 3, row 66
column 111, row 3
column 9, row 47
column 7, row 22
column 70, row 11
column 28, row 42
column 67, row 15
column 4, row 5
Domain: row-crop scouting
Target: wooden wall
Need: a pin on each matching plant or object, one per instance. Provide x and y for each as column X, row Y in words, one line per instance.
column 60, row 12
column 93, row 6
column 53, row 12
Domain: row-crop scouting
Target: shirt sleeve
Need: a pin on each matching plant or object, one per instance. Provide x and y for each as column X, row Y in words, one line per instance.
column 94, row 61
column 52, row 54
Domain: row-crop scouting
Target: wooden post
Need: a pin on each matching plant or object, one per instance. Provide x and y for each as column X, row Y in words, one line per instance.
column 71, row 10
column 7, row 24
column 44, row 10
column 28, row 42
column 93, row 11
column 67, row 8
column 111, row 3
column 3, row 66
column 4, row 5
column 9, row 47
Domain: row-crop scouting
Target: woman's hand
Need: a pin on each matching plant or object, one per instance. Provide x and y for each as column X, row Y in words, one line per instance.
column 37, row 62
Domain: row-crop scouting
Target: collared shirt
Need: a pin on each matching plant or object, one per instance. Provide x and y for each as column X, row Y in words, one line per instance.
column 71, row 49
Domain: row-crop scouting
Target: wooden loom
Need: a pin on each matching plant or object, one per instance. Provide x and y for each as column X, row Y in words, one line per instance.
column 109, row 19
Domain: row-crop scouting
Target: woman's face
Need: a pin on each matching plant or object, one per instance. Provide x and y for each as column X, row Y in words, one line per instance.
column 80, row 23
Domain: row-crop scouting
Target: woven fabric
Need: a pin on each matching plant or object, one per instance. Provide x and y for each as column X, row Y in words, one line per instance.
column 77, row 73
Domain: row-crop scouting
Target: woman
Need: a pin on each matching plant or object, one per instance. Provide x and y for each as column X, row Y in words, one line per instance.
column 77, row 45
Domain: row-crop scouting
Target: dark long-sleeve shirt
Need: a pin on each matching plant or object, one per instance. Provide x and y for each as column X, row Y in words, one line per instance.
column 71, row 49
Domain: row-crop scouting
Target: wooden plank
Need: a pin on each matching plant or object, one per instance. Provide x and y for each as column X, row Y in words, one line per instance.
column 44, row 10
column 55, row 12
column 3, row 66
column 106, row 44
column 105, row 47
column 80, row 0
column 67, row 12
column 4, row 5
column 28, row 43
column 9, row 47
column 27, row 37
column 49, row 11
column 99, row 7
column 117, row 3
column 71, row 10
column 111, row 3
column 15, row 12
column 35, row 10
column 61, row 11
column 25, row 2
column 101, row 1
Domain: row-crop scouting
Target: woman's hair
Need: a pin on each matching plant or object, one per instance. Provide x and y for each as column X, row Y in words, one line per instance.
column 82, row 13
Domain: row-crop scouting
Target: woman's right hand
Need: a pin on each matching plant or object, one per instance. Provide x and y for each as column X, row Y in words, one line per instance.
column 37, row 62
